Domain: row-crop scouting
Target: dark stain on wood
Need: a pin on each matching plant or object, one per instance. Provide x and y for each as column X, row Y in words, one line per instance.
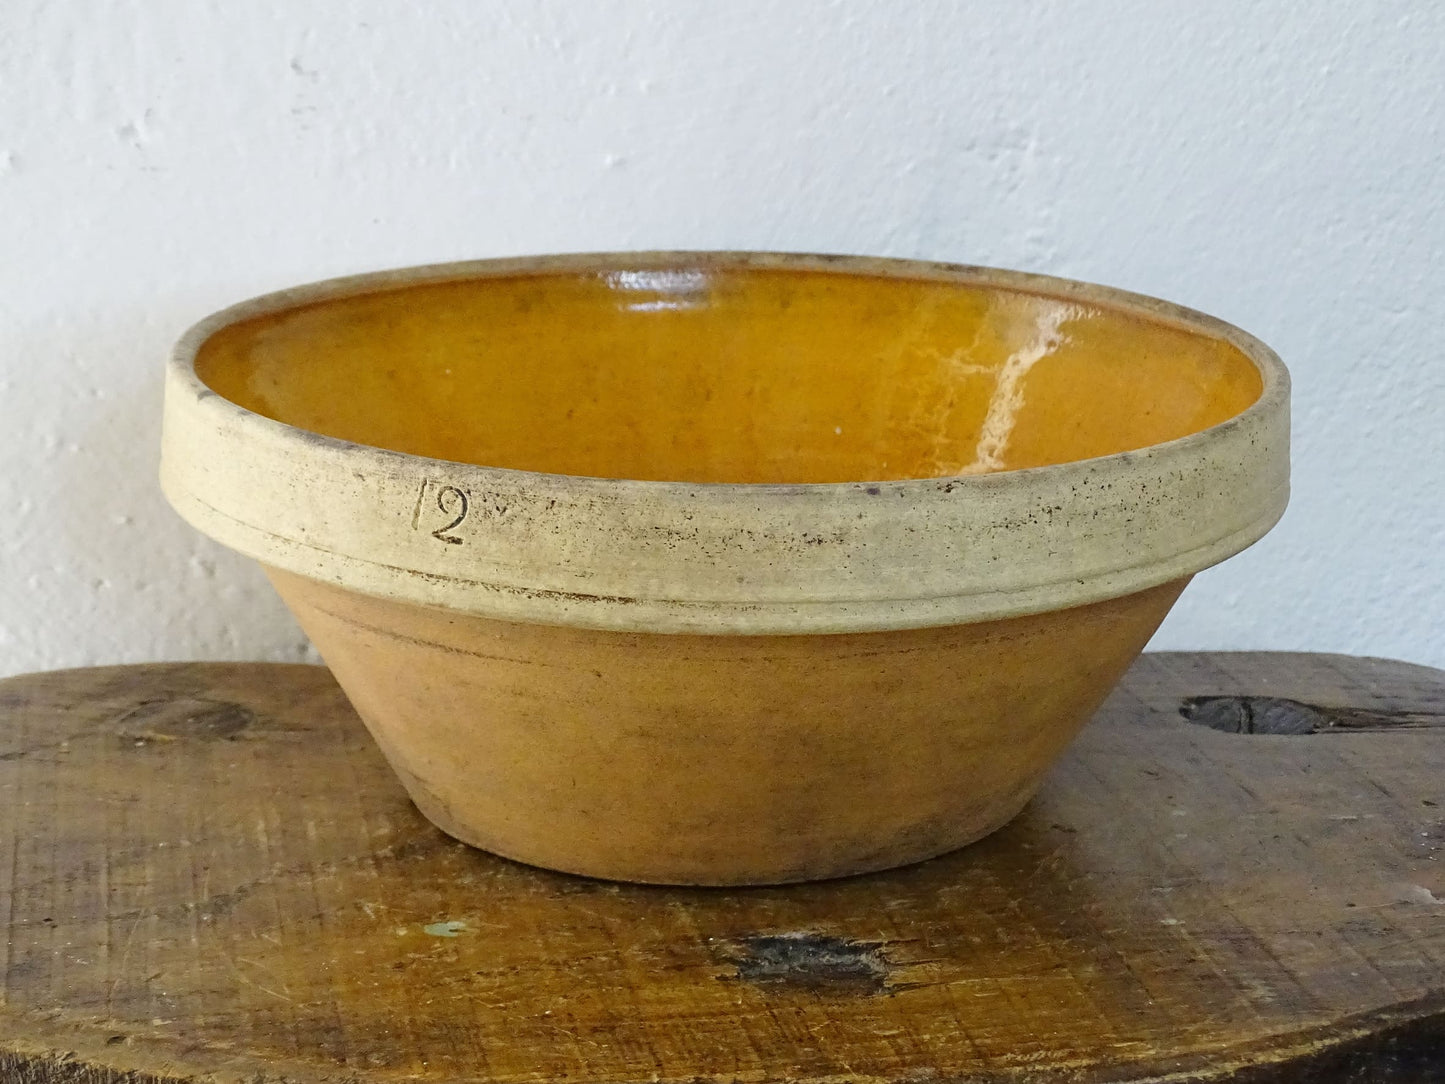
column 1279, row 715
column 812, row 961
column 188, row 718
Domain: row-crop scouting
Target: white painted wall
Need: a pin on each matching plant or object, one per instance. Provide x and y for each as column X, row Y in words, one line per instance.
column 1280, row 163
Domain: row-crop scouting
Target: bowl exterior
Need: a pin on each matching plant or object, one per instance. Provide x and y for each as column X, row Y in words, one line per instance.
column 719, row 760
column 717, row 683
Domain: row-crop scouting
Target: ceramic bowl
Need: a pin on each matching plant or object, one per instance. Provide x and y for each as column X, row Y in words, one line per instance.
column 724, row 568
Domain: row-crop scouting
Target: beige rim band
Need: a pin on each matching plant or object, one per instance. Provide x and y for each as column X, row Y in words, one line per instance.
column 738, row 559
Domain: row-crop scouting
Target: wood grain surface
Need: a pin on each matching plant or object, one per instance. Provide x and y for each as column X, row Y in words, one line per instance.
column 1235, row 874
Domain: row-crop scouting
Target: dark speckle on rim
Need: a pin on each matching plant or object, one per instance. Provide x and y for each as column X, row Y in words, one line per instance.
column 873, row 491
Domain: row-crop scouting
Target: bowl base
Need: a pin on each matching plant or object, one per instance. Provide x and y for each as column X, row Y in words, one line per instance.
column 924, row 842
column 726, row 760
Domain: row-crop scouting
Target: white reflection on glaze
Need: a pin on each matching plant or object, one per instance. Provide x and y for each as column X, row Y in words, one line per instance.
column 678, row 289
column 1008, row 390
column 659, row 306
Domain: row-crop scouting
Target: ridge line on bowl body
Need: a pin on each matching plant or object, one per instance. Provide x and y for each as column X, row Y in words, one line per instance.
column 705, row 616
column 616, row 553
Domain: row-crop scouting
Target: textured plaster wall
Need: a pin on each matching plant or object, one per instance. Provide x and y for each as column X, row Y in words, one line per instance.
column 1280, row 164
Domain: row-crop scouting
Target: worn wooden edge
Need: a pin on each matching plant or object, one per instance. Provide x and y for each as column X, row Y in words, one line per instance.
column 1403, row 1044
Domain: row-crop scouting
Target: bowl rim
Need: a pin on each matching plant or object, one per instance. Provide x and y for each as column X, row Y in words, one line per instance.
column 207, row 438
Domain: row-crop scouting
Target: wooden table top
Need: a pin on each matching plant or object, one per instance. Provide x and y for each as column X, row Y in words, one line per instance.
column 212, row 875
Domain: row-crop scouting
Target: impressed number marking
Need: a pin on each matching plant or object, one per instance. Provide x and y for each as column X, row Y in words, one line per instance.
column 450, row 501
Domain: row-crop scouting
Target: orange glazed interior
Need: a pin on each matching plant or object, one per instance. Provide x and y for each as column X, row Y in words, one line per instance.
column 721, row 374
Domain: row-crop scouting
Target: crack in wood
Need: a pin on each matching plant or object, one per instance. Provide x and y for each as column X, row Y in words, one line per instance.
column 1282, row 716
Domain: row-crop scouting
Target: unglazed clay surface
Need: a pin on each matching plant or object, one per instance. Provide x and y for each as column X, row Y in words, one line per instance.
column 720, row 759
